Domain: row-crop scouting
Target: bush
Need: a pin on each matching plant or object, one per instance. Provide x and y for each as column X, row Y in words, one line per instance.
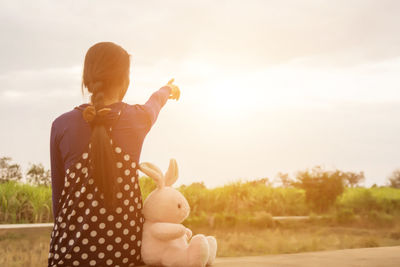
column 322, row 187
column 345, row 216
column 146, row 186
column 364, row 200
column 23, row 203
column 394, row 179
column 245, row 198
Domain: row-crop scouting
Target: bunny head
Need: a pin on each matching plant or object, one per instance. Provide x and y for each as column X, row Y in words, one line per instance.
column 164, row 204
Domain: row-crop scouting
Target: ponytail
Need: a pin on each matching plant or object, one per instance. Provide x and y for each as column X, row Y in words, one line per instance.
column 106, row 67
column 102, row 161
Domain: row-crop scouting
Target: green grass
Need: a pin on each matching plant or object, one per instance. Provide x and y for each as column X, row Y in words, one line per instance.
column 23, row 203
column 29, row 247
column 238, row 214
column 363, row 200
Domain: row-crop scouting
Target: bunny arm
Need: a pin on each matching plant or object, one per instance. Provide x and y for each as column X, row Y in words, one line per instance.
column 167, row 231
column 188, row 233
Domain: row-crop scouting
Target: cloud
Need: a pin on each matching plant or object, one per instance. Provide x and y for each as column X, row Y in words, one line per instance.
column 41, row 82
column 50, row 34
column 310, row 82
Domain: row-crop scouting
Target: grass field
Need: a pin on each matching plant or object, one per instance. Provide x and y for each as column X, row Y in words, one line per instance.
column 22, row 203
column 238, row 214
column 29, row 247
column 301, row 237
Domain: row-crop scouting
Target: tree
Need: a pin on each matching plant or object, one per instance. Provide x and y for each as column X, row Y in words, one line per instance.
column 9, row 171
column 394, row 179
column 38, row 175
column 199, row 185
column 322, row 187
column 353, row 178
column 263, row 181
column 285, row 179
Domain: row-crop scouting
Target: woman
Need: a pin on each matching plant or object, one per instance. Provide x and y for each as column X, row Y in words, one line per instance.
column 95, row 150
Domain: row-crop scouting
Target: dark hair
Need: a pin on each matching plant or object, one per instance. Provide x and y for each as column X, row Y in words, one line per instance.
column 106, row 68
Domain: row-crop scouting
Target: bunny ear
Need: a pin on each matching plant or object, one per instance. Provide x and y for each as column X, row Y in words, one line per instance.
column 172, row 173
column 153, row 172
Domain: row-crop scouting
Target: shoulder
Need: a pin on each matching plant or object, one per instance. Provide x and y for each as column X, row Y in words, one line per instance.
column 135, row 109
column 67, row 117
column 137, row 114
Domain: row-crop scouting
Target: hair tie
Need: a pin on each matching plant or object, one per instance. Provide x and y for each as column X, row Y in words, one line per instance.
column 94, row 117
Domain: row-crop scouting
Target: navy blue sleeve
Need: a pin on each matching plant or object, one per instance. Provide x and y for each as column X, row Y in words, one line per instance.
column 156, row 101
column 57, row 169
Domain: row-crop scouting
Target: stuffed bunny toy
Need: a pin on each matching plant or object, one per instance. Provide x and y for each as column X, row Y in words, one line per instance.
column 165, row 241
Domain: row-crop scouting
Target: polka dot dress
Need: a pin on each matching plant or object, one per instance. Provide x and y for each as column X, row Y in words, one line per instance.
column 87, row 234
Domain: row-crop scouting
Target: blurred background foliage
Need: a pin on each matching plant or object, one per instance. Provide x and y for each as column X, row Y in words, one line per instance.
column 334, row 195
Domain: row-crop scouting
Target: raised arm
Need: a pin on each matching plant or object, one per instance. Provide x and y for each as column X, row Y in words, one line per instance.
column 156, row 101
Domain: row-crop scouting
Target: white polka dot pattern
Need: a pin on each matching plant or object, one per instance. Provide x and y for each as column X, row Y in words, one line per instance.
column 86, row 233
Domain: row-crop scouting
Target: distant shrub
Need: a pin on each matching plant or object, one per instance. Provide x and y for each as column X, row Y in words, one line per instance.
column 345, row 216
column 37, row 174
column 394, row 179
column 9, row 171
column 364, row 200
column 235, row 204
column 146, row 186
column 359, row 200
column 322, row 187
column 23, row 203
column 245, row 198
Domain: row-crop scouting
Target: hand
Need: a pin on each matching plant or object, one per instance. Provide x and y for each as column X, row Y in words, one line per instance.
column 175, row 92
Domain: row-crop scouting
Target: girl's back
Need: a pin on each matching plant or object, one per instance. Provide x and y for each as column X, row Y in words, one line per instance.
column 85, row 232
column 70, row 133
column 95, row 149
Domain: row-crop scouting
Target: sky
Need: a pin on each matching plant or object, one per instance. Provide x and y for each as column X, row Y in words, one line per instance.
column 266, row 86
